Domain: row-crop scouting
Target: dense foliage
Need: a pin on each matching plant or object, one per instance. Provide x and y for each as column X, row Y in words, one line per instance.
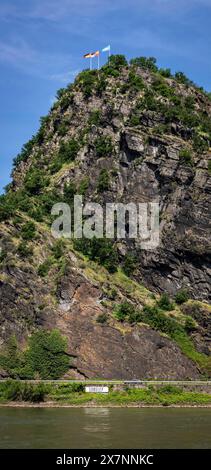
column 45, row 357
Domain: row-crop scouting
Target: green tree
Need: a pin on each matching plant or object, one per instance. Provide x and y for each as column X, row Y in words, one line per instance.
column 28, row 231
column 103, row 181
column 103, row 146
column 47, row 354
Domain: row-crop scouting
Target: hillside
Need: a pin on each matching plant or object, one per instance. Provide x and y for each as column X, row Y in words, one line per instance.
column 128, row 133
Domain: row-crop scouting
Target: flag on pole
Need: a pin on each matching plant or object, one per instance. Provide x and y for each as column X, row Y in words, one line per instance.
column 106, row 49
column 89, row 55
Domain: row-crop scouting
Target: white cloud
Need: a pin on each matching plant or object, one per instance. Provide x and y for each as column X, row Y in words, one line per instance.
column 64, row 77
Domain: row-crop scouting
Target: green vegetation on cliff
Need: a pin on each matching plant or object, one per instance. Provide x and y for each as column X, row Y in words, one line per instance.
column 45, row 357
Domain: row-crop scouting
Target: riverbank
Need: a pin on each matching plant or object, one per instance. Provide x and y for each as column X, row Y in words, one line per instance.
column 19, row 394
column 96, row 405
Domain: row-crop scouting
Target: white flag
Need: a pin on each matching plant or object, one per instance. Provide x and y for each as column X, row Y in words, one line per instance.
column 107, row 48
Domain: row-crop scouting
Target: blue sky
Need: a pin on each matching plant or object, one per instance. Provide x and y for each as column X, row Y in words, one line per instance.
column 42, row 43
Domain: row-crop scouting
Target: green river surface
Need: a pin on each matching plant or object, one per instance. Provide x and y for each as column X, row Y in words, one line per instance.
column 76, row 428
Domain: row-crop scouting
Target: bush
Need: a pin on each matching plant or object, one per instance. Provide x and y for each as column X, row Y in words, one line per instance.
column 103, row 146
column 100, row 250
column 87, row 81
column 209, row 167
column 181, row 296
column 190, row 325
column 181, row 78
column 117, row 61
column 130, row 264
column 44, row 268
column 7, row 207
column 162, row 88
column 200, row 145
column 166, row 73
column 58, row 249
column 164, row 303
column 185, row 156
column 103, row 181
column 19, row 391
column 68, row 151
column 135, row 82
column 69, row 192
column 28, row 231
column 47, row 354
column 159, row 321
column 123, row 311
column 63, row 128
column 24, row 250
column 102, row 318
column 95, row 117
column 35, row 181
column 148, row 63
column 83, row 186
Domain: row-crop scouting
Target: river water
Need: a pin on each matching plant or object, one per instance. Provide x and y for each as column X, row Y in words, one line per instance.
column 69, row 428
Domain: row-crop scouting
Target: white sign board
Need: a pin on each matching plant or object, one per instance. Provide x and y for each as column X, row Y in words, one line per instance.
column 96, row 389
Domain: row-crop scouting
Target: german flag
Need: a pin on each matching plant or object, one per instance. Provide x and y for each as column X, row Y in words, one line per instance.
column 89, row 55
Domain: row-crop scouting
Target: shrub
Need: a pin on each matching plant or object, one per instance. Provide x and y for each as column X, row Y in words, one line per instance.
column 47, row 354
column 95, row 117
column 102, row 318
column 19, row 391
column 209, row 167
column 145, row 63
column 58, row 249
column 101, row 85
column 56, row 165
column 181, row 78
column 69, row 192
column 103, row 181
column 162, row 88
column 24, row 250
column 185, row 156
column 135, row 81
column 200, row 145
column 117, row 61
column 7, row 207
column 130, row 264
column 166, row 73
column 63, row 128
column 87, row 80
column 100, row 250
column 190, row 325
column 35, row 181
column 159, row 321
column 3, row 255
column 68, row 151
column 164, row 303
column 44, row 268
column 83, row 186
column 134, row 120
column 28, row 231
column 103, row 146
column 123, row 311
column 181, row 296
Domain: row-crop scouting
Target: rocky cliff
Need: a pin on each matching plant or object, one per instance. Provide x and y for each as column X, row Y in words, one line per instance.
column 128, row 133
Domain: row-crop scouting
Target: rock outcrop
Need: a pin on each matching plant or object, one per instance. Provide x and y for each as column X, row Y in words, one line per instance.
column 147, row 154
